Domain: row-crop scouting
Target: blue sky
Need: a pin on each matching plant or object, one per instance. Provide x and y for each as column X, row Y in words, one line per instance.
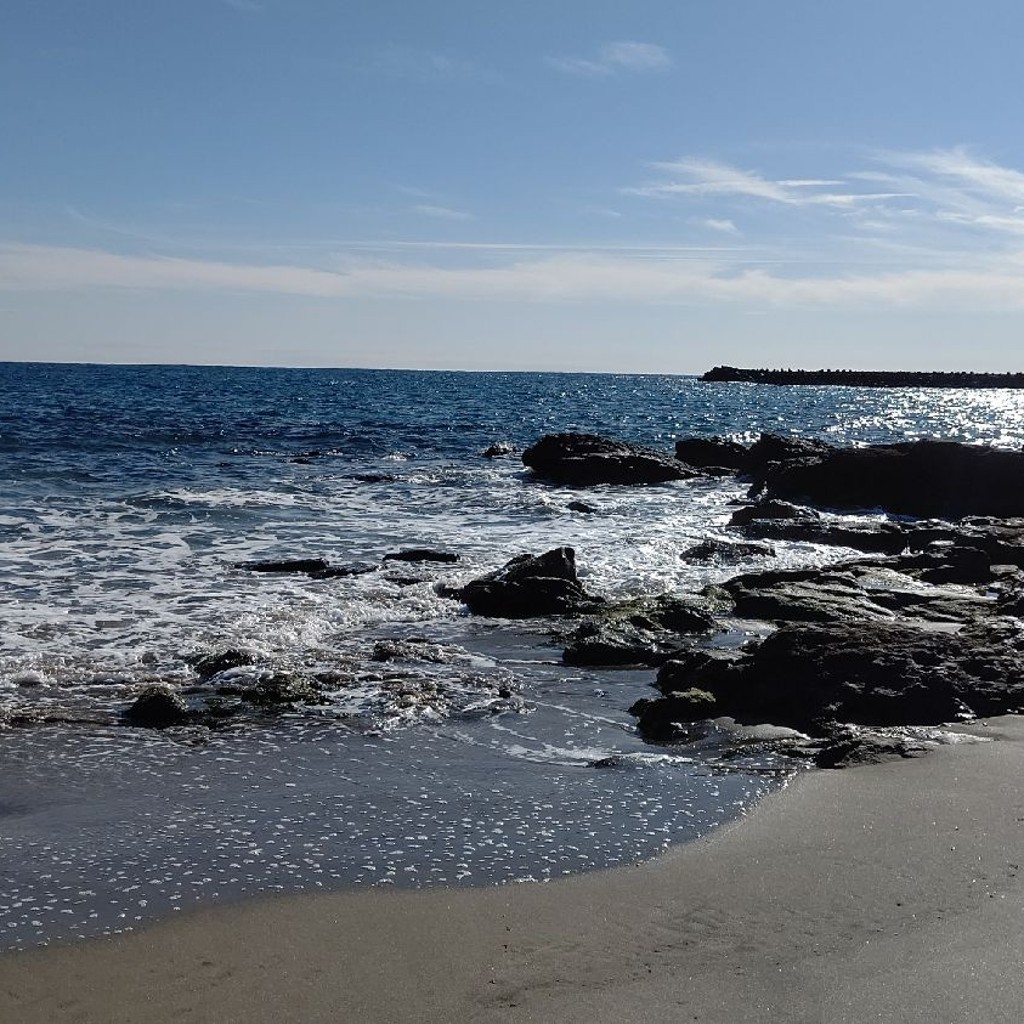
column 575, row 184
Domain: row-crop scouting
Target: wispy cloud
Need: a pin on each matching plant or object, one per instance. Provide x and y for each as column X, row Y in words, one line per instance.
column 946, row 232
column 440, row 212
column 615, row 58
column 724, row 225
column 694, row 176
column 570, row 276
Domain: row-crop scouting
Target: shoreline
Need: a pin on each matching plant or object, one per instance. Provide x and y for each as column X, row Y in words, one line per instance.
column 878, row 893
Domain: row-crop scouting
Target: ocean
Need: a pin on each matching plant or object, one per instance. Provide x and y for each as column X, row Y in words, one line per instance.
column 446, row 749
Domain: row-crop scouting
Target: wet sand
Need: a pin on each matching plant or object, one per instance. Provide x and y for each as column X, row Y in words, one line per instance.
column 882, row 893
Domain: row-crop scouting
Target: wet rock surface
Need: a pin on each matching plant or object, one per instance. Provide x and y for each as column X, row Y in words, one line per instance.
column 924, row 630
column 716, row 549
column 528, row 586
column 316, row 568
column 157, row 707
column 642, row 632
column 581, row 460
column 809, row 677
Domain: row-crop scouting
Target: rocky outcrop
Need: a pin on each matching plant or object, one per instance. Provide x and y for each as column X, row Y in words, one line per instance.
column 942, row 479
column 769, row 511
column 643, row 632
column 528, row 586
column 711, row 453
column 581, row 460
column 810, row 676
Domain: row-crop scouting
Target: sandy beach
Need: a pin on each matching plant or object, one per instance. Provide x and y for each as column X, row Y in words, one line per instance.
column 888, row 892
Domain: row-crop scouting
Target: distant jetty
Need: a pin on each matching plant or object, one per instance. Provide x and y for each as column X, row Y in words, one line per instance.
column 867, row 378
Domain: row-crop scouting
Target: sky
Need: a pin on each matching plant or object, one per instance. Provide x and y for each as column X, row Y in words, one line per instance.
column 652, row 186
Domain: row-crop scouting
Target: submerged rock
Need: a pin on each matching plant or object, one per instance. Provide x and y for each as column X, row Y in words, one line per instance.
column 421, row 555
column 713, row 548
column 584, row 459
column 498, row 450
column 528, row 586
column 301, row 566
column 209, row 665
column 316, row 568
column 275, row 690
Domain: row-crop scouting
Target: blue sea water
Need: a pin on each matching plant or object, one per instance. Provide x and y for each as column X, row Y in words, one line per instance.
column 131, row 494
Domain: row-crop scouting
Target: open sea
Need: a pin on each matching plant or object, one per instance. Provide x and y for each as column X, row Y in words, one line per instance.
column 450, row 750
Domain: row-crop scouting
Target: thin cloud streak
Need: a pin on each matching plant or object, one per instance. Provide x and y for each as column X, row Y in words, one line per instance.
column 706, row 178
column 615, row 58
column 440, row 212
column 568, row 277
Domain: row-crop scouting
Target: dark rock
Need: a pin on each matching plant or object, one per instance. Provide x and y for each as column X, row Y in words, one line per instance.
column 498, row 450
column 802, row 595
column 925, row 478
column 209, row 665
column 596, row 643
column 774, row 448
column 421, row 555
column 711, row 453
column 528, row 586
column 671, row 718
column 885, row 538
column 584, row 459
column 857, row 747
column 726, row 550
column 305, row 458
column 870, row 674
column 770, row 509
column 669, row 612
column 410, row 649
column 275, row 690
column 333, row 572
column 157, row 706
column 315, row 568
column 582, row 506
column 645, row 631
column 373, row 478
column 709, row 666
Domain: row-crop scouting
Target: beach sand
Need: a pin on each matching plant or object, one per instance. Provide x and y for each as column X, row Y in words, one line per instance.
column 881, row 893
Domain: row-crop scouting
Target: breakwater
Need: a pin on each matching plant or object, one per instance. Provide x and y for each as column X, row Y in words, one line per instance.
column 867, row 378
